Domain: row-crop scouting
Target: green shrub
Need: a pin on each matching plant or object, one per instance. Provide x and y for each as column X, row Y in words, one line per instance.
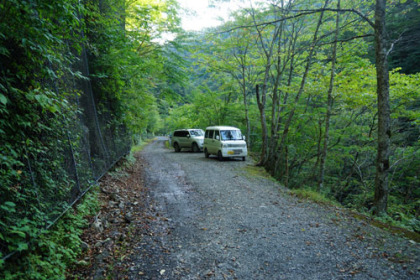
column 49, row 255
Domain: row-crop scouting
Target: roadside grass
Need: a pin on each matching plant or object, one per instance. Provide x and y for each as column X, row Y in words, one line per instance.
column 139, row 147
column 387, row 223
column 167, row 145
column 258, row 171
column 120, row 169
column 314, row 196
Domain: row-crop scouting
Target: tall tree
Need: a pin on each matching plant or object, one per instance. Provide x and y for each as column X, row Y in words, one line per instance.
column 384, row 128
column 329, row 102
column 268, row 47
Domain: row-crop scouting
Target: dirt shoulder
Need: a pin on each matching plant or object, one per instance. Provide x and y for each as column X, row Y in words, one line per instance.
column 181, row 216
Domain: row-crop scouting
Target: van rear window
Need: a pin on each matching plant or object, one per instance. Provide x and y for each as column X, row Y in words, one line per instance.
column 181, row 133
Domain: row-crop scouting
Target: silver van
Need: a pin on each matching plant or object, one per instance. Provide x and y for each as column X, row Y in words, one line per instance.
column 224, row 142
column 188, row 138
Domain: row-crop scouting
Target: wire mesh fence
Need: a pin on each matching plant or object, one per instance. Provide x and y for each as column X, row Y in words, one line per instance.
column 57, row 166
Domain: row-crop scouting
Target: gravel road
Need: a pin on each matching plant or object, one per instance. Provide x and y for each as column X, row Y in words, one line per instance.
column 226, row 220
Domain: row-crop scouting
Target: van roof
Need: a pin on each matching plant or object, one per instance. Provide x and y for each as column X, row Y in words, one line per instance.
column 184, row 129
column 222, row 127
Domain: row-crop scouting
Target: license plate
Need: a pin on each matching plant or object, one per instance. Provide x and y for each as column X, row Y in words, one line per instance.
column 234, row 152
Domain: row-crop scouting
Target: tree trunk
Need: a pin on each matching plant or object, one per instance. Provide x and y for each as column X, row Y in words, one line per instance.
column 329, row 105
column 286, row 176
column 275, row 114
column 276, row 157
column 318, row 152
column 242, row 81
column 248, row 126
column 261, row 100
column 276, row 109
column 384, row 131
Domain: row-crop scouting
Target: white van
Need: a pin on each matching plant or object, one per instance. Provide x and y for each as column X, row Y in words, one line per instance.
column 224, row 142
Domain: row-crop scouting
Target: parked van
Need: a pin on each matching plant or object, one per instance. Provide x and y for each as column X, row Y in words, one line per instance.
column 188, row 138
column 224, row 142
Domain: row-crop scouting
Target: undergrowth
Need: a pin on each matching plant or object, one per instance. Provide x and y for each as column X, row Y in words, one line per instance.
column 49, row 255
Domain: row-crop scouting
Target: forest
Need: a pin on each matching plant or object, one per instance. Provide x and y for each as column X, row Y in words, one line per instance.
column 300, row 79
column 327, row 93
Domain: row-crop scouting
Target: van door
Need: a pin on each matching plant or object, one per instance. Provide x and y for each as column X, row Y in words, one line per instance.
column 209, row 141
column 185, row 139
column 215, row 143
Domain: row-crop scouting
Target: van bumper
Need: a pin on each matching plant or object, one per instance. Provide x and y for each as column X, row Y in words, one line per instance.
column 234, row 152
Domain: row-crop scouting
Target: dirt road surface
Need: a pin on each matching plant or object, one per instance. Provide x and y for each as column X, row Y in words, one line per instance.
column 226, row 220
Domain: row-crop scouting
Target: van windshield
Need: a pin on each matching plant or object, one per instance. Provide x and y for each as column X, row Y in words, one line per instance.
column 231, row 134
column 197, row 132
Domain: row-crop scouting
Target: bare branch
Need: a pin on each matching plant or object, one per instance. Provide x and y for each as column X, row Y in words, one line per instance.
column 347, row 39
column 304, row 13
column 341, row 11
column 392, row 46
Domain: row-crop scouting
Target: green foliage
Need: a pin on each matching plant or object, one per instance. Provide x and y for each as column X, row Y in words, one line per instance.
column 135, row 66
column 74, row 81
column 207, row 108
column 52, row 252
column 34, row 110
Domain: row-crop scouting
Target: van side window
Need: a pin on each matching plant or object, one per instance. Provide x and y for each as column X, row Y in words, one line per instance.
column 216, row 133
column 177, row 133
column 209, row 134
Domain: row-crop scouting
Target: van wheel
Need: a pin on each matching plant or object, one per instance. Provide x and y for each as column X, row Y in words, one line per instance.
column 219, row 156
column 195, row 148
column 206, row 153
column 177, row 148
column 243, row 158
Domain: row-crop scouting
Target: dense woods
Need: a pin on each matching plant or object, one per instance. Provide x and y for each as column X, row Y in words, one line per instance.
column 327, row 93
